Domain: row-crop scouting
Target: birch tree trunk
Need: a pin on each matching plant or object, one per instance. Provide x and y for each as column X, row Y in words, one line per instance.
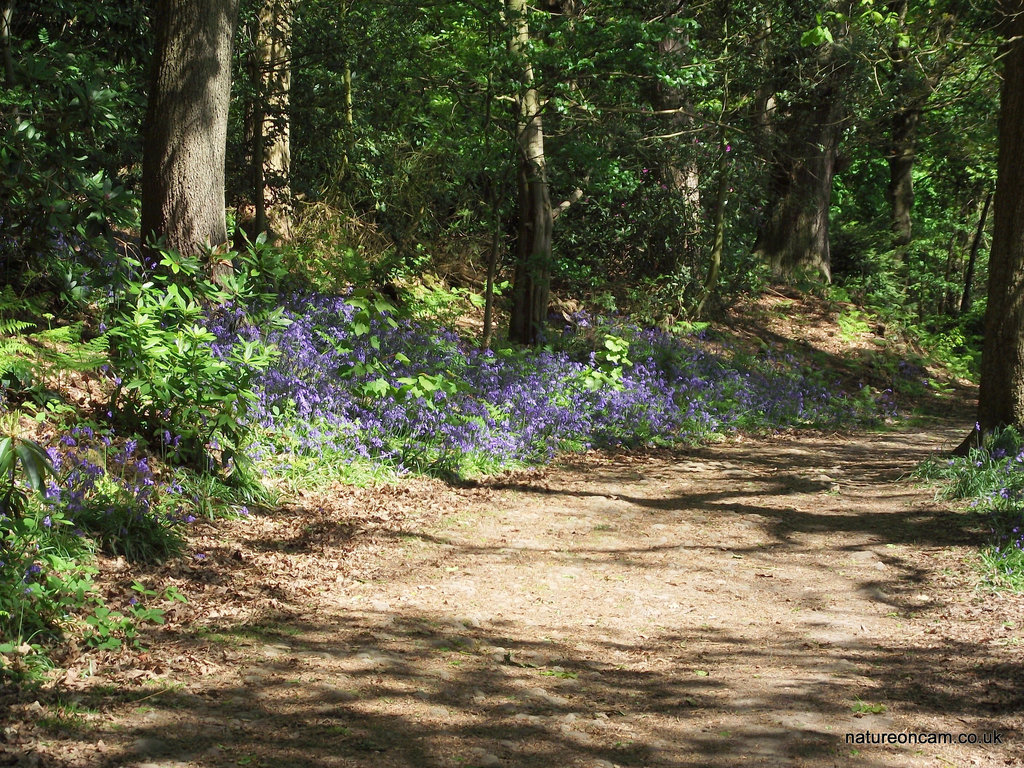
column 6, row 12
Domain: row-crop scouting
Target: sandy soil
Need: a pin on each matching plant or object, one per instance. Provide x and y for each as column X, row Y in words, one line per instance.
column 751, row 602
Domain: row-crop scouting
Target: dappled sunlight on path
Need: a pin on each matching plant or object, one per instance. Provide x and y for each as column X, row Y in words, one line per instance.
column 745, row 603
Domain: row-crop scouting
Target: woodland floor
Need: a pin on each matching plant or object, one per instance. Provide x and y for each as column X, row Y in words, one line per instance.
column 748, row 602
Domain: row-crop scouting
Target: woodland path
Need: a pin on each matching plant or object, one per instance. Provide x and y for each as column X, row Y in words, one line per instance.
column 743, row 603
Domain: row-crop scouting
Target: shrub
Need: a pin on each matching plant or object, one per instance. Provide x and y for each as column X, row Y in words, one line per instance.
column 46, row 574
column 173, row 381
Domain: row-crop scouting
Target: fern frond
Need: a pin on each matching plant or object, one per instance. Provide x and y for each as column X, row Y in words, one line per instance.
column 11, row 326
column 65, row 334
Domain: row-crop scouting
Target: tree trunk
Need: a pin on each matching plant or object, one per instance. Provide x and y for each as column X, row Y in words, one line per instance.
column 531, row 284
column 1001, row 396
column 794, row 236
column 718, row 246
column 6, row 11
column 185, row 130
column 900, row 192
column 346, row 157
column 272, row 146
column 911, row 93
column 532, row 281
column 682, row 178
column 492, row 267
column 966, row 299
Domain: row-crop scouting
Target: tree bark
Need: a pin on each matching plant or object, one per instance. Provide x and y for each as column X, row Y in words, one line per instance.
column 531, row 284
column 682, row 178
column 6, row 12
column 794, row 236
column 718, row 246
column 900, row 192
column 910, row 95
column 272, row 145
column 966, row 300
column 185, row 130
column 1001, row 396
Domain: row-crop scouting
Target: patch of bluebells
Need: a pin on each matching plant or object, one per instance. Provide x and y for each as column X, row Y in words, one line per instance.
column 992, row 478
column 102, row 492
column 1004, row 501
column 508, row 406
column 101, row 476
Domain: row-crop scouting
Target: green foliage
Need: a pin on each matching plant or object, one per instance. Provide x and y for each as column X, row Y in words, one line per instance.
column 609, row 359
column 34, row 364
column 18, row 373
column 212, row 497
column 24, row 466
column 852, row 324
column 992, row 478
column 109, row 629
column 171, row 381
column 958, row 354
column 75, row 111
column 112, row 515
column 46, row 574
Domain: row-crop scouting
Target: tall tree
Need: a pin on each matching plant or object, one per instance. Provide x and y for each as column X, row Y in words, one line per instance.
column 921, row 55
column 804, row 134
column 532, row 281
column 680, row 175
column 912, row 90
column 1001, row 396
column 271, row 130
column 6, row 10
column 185, row 130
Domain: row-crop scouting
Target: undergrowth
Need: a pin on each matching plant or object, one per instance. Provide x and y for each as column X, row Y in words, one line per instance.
column 204, row 394
column 992, row 478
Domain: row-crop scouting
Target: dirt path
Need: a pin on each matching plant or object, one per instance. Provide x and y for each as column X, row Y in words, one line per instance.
column 746, row 603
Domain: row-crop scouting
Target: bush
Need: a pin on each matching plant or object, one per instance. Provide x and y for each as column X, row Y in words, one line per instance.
column 55, row 195
column 174, row 382
column 96, row 495
column 45, row 574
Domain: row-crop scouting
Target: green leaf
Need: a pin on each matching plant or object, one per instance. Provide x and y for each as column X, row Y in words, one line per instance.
column 816, row 36
column 377, row 387
column 33, row 470
column 6, row 455
column 35, row 464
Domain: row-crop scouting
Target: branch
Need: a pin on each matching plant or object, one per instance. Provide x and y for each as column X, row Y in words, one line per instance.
column 566, row 204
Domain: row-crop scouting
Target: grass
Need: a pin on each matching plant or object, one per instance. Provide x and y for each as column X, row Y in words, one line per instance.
column 68, row 716
column 1002, row 568
column 991, row 479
